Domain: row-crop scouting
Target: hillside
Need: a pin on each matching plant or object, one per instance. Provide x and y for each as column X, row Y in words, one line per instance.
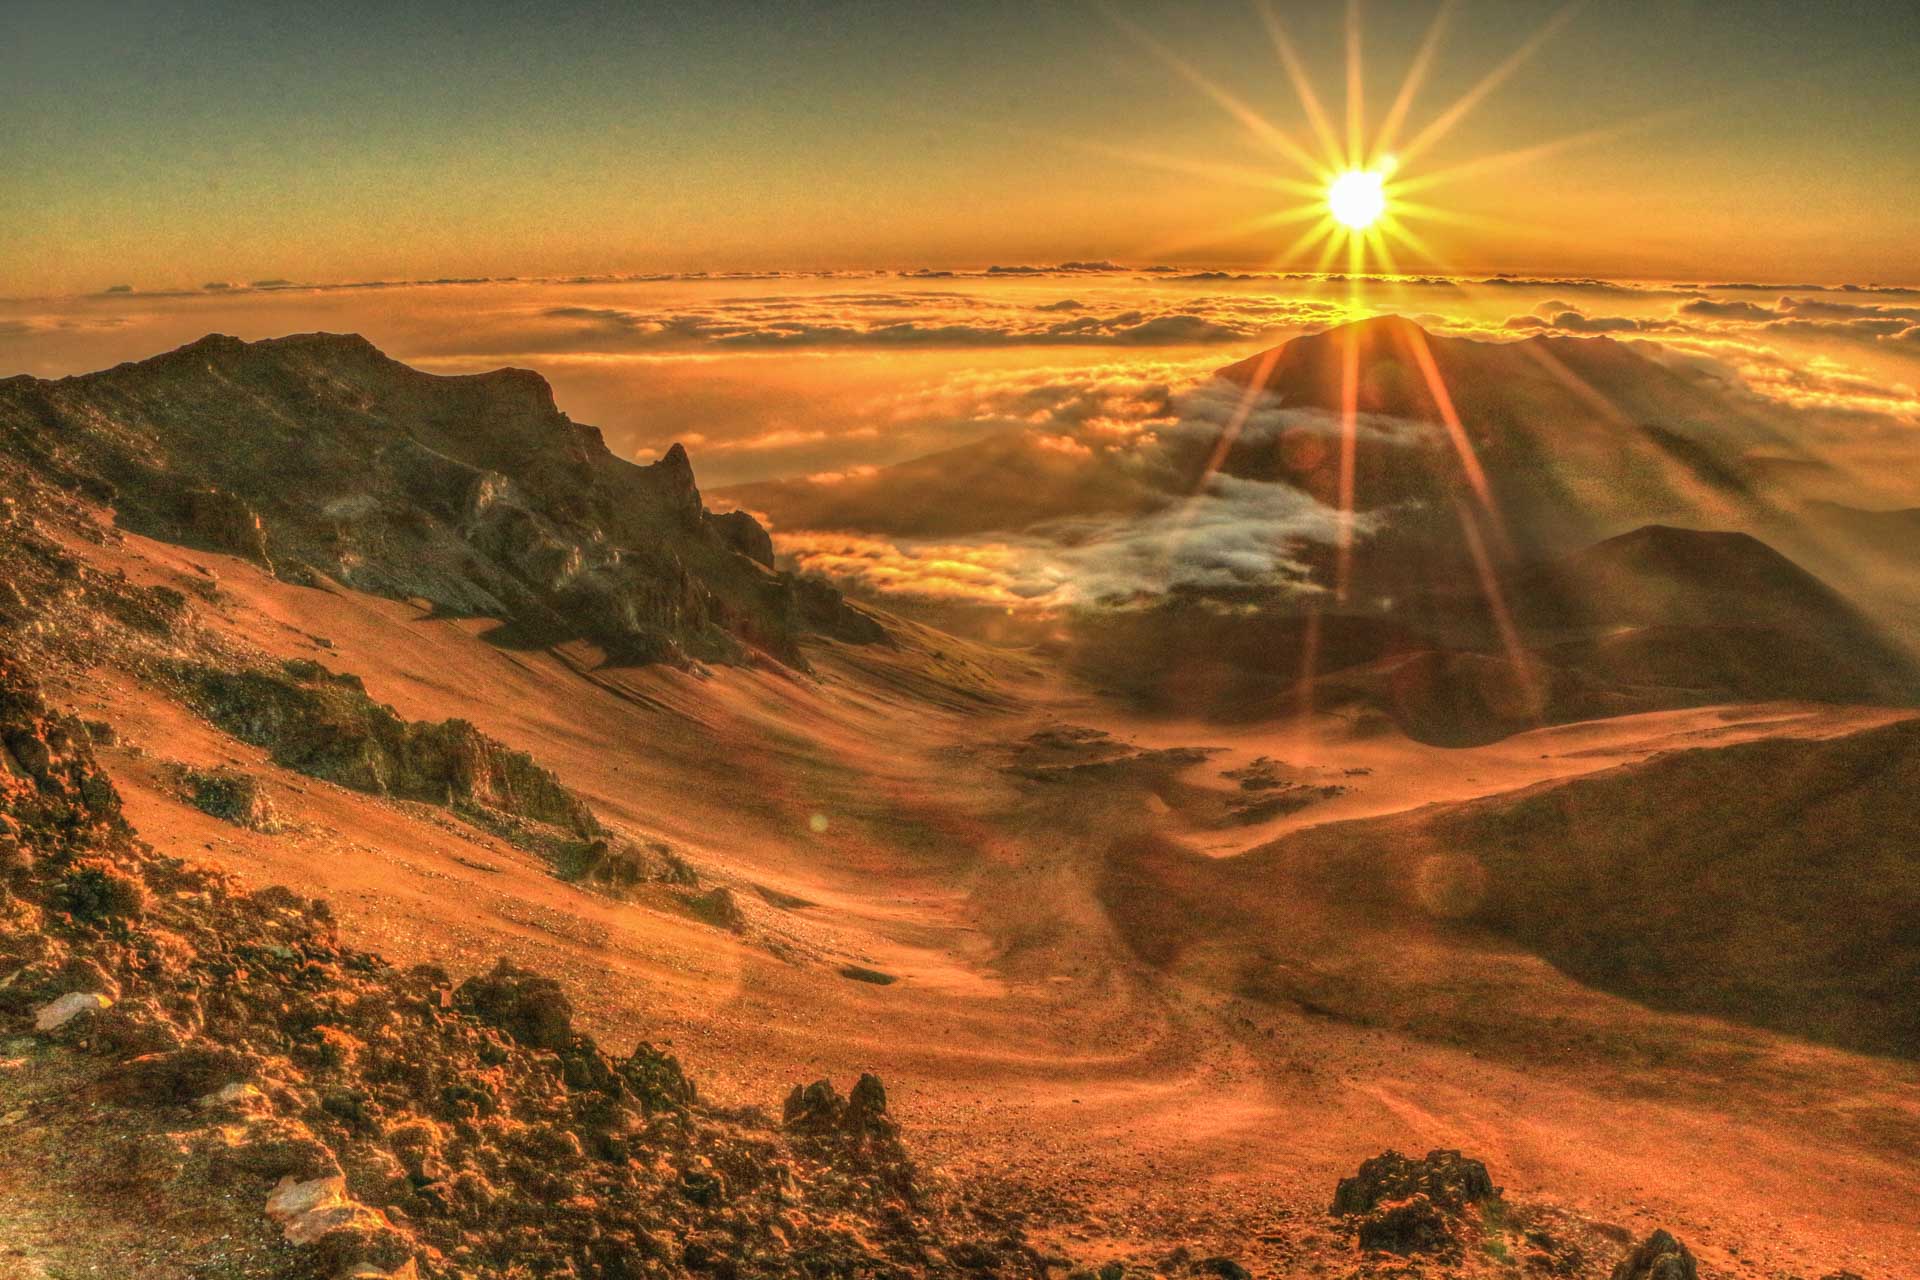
column 318, row 455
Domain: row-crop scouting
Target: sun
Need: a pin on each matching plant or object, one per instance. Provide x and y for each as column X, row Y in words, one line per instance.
column 1357, row 197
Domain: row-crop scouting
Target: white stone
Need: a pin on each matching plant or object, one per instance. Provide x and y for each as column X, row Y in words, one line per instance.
column 239, row 1093
column 308, row 1210
column 67, row 1008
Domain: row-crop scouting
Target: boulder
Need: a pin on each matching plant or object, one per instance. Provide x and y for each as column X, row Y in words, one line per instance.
column 814, row 1108
column 530, row 1008
column 1409, row 1206
column 231, row 795
column 718, row 907
column 75, row 1004
column 867, row 1107
column 1449, row 1179
column 1659, row 1257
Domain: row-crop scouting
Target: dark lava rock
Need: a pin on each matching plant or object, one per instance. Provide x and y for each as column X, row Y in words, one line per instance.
column 814, row 1108
column 530, row 1008
column 1411, row 1206
column 1449, row 1179
column 867, row 1107
column 325, row 725
column 717, row 907
column 1413, row 1225
column 1659, row 1257
column 233, row 796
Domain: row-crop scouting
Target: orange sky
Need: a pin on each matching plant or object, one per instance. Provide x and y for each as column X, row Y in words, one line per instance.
column 174, row 145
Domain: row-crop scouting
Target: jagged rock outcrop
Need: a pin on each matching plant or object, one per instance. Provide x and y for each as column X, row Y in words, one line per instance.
column 317, row 453
column 1407, row 1206
column 325, row 725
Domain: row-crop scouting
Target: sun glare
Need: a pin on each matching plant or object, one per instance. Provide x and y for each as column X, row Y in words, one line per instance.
column 1357, row 198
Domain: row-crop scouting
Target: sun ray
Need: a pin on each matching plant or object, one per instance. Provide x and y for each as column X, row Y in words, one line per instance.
column 1422, row 352
column 1252, row 121
column 1302, row 83
column 1491, row 590
column 1240, row 175
column 1323, row 230
column 1523, row 155
column 1236, row 231
column 1356, row 90
column 1442, row 124
column 1410, row 86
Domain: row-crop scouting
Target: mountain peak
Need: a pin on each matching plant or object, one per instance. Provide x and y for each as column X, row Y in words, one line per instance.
column 316, row 453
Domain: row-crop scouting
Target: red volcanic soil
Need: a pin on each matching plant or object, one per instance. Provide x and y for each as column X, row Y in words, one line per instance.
column 1069, row 1029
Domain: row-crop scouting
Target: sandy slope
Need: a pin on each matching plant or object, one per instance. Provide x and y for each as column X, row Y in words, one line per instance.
column 1036, row 1047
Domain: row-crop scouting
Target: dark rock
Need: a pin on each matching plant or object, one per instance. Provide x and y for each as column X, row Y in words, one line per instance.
column 718, row 907
column 1410, row 1206
column 656, row 1079
column 744, row 534
column 474, row 493
column 814, row 1108
column 1447, row 1178
column 867, row 1107
column 222, row 522
column 233, row 796
column 1659, row 1257
column 530, row 1008
column 1413, row 1225
column 1225, row 1268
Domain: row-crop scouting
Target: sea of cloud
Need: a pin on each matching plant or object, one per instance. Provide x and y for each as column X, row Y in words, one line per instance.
column 832, row 376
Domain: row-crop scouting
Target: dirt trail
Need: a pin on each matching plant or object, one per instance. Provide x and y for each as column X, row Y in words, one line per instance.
column 1034, row 1045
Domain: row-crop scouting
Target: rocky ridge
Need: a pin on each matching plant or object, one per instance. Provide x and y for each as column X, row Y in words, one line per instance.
column 319, row 457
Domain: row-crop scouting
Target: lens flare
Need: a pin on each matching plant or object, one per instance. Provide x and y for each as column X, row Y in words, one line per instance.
column 1357, row 198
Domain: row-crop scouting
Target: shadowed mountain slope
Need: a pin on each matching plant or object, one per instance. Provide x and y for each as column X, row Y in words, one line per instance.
column 1653, row 619
column 1770, row 882
column 318, row 454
